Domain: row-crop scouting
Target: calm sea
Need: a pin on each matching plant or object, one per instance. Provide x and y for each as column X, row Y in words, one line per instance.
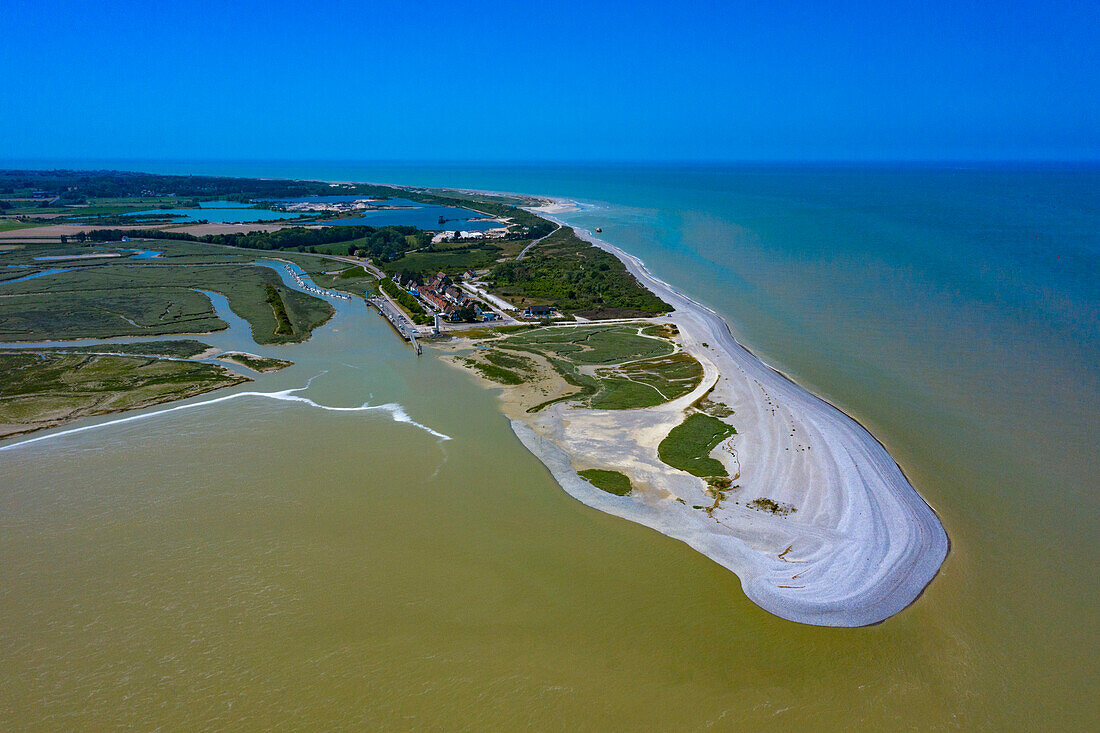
column 261, row 562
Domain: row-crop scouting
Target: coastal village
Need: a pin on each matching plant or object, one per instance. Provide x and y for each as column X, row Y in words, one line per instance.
column 451, row 302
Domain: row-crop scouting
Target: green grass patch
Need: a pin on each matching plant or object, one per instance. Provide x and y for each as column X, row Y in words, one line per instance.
column 623, row 394
column 7, row 225
column 104, row 314
column 662, row 330
column 354, row 280
column 612, row 482
column 494, row 373
column 514, row 362
column 688, row 445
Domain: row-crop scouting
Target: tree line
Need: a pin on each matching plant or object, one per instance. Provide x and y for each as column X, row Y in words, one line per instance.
column 383, row 243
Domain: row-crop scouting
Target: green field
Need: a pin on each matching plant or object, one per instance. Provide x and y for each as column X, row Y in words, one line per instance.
column 689, row 444
column 612, row 482
column 423, row 265
column 174, row 251
column 42, row 390
column 96, row 206
column 7, row 225
column 353, row 279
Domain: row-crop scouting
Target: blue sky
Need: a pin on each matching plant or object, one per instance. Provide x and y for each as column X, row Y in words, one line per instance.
column 561, row 81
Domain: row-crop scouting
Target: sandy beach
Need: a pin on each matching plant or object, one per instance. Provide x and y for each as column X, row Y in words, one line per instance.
column 862, row 544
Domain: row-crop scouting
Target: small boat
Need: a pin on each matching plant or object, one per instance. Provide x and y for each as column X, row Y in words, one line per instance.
column 598, row 230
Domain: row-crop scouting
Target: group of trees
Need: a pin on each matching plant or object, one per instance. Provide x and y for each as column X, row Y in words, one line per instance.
column 407, row 301
column 376, row 242
column 113, row 184
column 577, row 277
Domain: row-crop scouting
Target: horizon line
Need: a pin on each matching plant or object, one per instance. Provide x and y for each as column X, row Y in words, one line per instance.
column 63, row 161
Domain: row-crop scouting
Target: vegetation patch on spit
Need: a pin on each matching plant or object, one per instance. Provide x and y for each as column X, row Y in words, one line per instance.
column 708, row 406
column 255, row 363
column 688, row 446
column 612, row 482
column 516, row 362
column 771, row 506
column 493, row 372
column 42, row 390
column 662, row 330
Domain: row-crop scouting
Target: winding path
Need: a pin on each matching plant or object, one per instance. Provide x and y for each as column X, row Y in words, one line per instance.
column 523, row 252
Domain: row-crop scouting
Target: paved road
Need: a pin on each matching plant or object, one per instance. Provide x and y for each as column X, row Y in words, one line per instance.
column 523, row 252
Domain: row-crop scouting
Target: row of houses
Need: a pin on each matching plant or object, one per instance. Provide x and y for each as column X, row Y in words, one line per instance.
column 443, row 296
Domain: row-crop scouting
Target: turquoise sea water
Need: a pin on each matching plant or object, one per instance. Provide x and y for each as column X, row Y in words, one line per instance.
column 954, row 311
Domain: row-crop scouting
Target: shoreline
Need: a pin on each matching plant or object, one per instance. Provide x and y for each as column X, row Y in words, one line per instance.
column 866, row 545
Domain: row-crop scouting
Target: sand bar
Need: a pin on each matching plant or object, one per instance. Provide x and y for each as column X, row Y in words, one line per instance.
column 862, row 544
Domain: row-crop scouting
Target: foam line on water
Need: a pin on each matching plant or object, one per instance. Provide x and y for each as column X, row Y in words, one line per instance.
column 395, row 410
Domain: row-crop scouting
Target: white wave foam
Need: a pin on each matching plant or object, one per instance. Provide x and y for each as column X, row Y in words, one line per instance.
column 395, row 410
